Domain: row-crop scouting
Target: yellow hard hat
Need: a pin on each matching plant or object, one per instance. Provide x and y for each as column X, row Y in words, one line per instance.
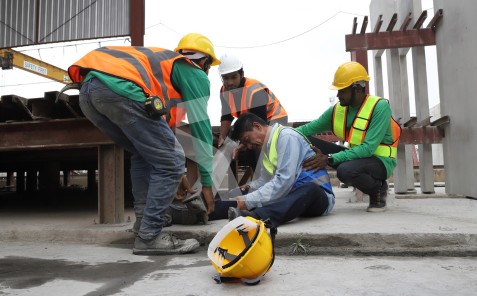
column 195, row 41
column 349, row 73
column 242, row 249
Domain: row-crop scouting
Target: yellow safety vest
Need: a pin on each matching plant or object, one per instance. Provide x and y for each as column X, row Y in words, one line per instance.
column 358, row 129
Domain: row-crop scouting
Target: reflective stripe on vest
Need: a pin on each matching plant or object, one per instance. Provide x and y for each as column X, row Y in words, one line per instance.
column 360, row 125
column 252, row 86
column 270, row 161
column 148, row 67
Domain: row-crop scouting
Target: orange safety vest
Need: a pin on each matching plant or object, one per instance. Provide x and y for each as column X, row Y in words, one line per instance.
column 148, row 67
column 274, row 109
column 360, row 125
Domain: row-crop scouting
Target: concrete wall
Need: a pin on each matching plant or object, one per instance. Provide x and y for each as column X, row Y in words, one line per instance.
column 457, row 64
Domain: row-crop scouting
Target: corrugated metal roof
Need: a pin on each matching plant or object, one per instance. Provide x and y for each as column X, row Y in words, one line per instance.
column 29, row 22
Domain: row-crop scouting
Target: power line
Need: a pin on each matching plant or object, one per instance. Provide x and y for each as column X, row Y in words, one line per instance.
column 267, row 44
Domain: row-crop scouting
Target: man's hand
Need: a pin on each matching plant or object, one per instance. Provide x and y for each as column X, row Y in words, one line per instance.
column 245, row 188
column 209, row 198
column 317, row 162
column 241, row 203
column 184, row 189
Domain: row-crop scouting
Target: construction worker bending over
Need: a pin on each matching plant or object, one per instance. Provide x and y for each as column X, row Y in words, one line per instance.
column 240, row 95
column 283, row 191
column 124, row 92
column 366, row 123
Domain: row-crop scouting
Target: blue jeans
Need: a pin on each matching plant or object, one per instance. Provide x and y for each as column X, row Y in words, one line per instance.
column 157, row 158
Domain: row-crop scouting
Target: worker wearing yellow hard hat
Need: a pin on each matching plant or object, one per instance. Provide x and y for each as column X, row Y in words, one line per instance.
column 196, row 47
column 135, row 95
column 365, row 122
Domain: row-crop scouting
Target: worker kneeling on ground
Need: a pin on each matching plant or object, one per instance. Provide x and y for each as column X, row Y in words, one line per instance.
column 366, row 123
column 283, row 190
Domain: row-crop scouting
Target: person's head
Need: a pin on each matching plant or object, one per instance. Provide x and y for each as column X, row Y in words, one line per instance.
column 250, row 130
column 199, row 49
column 231, row 71
column 350, row 82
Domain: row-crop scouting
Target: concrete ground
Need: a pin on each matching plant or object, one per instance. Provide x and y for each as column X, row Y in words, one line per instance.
column 422, row 245
column 421, row 224
column 59, row 269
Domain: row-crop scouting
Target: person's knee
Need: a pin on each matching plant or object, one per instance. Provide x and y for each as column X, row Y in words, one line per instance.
column 344, row 173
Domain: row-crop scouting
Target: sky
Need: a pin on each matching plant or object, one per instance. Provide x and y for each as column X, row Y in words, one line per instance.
column 293, row 47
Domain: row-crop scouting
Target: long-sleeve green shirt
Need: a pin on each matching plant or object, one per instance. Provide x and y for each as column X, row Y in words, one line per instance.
column 194, row 86
column 379, row 131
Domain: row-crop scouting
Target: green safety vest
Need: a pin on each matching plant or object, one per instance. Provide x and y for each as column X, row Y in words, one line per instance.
column 358, row 129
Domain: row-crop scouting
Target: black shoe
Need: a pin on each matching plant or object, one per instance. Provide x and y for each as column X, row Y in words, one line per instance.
column 377, row 201
column 233, row 213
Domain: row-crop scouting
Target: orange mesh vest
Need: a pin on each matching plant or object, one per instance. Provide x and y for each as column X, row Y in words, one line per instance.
column 358, row 129
column 251, row 86
column 148, row 67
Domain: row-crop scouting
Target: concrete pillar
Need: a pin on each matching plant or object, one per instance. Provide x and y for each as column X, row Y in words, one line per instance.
column 455, row 48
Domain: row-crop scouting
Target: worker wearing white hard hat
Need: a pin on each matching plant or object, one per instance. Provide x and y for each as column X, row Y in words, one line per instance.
column 240, row 94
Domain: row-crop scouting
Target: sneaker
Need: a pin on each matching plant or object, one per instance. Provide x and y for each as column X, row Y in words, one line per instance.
column 164, row 244
column 377, row 201
column 233, row 213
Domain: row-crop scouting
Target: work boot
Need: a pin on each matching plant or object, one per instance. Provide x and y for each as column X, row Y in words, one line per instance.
column 164, row 244
column 377, row 201
column 233, row 213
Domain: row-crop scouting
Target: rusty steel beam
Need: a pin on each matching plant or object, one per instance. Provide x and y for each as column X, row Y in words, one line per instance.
column 393, row 39
column 406, row 22
column 379, row 23
column 441, row 121
column 364, row 25
column 435, row 20
column 355, row 25
column 57, row 133
column 392, row 23
column 421, row 135
column 420, row 20
column 137, row 22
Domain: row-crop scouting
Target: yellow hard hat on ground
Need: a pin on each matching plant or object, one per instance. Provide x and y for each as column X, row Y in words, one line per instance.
column 349, row 73
column 242, row 249
column 198, row 42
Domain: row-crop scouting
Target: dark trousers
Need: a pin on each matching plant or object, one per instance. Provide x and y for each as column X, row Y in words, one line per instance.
column 307, row 200
column 367, row 174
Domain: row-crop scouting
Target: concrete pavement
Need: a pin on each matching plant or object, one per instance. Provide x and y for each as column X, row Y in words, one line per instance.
column 58, row 269
column 424, row 225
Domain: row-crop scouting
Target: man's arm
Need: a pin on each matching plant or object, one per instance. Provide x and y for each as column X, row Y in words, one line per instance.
column 194, row 86
column 319, row 125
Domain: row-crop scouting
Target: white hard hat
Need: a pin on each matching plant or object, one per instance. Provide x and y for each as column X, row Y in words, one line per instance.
column 230, row 63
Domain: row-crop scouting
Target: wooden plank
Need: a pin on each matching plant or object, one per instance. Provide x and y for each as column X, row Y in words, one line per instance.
column 57, row 133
